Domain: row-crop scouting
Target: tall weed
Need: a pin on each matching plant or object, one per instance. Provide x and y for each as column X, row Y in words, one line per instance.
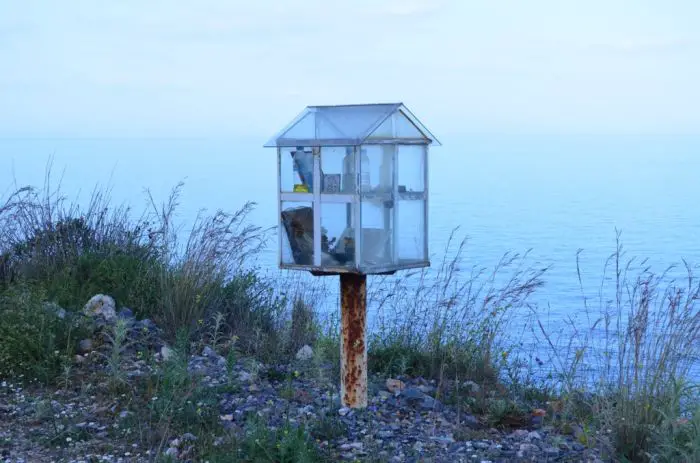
column 642, row 346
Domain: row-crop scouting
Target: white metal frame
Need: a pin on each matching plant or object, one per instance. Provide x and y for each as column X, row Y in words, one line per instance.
column 317, row 198
column 426, row 196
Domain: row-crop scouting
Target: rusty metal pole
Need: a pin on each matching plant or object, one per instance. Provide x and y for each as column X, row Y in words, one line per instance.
column 353, row 355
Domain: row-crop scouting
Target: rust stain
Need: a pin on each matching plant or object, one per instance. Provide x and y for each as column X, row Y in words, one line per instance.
column 353, row 324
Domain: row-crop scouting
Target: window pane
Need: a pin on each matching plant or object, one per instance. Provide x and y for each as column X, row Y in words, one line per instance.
column 377, row 167
column 338, row 169
column 405, row 128
column 411, row 165
column 297, row 233
column 296, row 170
column 377, row 232
column 337, row 234
column 411, row 231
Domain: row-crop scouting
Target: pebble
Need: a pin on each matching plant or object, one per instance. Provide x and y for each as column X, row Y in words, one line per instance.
column 471, row 422
column 85, row 346
column 352, row 446
column 403, row 419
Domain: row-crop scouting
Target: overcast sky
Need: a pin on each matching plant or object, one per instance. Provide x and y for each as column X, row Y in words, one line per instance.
column 245, row 68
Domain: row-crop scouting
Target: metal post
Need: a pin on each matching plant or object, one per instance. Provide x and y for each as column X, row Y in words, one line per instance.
column 353, row 355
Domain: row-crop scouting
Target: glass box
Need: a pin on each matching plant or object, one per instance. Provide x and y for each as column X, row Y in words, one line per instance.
column 353, row 190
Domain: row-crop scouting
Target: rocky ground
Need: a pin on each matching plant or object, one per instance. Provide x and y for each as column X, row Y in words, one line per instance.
column 407, row 419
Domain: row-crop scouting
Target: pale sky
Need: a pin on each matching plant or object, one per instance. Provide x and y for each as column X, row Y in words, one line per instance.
column 233, row 68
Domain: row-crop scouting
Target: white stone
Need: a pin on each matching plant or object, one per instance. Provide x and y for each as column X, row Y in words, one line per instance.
column 101, row 304
column 306, row 353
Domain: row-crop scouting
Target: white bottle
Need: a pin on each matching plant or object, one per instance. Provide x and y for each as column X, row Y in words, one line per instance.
column 350, row 176
column 365, row 184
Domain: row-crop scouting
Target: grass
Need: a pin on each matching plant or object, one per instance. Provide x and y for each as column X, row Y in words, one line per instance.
column 38, row 340
column 644, row 341
column 447, row 324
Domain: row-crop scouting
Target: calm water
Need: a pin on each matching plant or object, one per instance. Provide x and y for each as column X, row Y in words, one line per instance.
column 550, row 194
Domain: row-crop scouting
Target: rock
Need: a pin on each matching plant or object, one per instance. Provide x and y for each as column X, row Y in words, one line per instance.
column 536, row 421
column 85, row 346
column 244, row 376
column 471, row 422
column 303, row 396
column 209, row 352
column 519, row 434
column 171, row 452
column 534, row 435
column 481, row 445
column 147, row 325
column 344, row 411
column 412, row 394
column 101, row 305
column 472, row 386
column 125, row 314
column 305, row 354
column 166, row 353
column 551, row 452
column 352, row 446
column 394, row 385
column 384, row 394
column 426, row 389
column 79, row 359
column 528, row 448
column 444, row 440
column 188, row 437
column 431, row 404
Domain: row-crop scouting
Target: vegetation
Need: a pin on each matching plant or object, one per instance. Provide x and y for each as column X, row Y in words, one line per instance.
column 445, row 325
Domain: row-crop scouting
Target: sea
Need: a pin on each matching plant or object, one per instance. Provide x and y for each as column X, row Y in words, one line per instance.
column 560, row 199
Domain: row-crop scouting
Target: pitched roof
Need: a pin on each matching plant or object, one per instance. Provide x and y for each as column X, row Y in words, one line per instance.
column 351, row 125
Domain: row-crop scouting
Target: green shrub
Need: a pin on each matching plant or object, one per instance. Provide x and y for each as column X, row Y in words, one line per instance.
column 289, row 444
column 254, row 313
column 72, row 253
column 36, row 339
column 127, row 278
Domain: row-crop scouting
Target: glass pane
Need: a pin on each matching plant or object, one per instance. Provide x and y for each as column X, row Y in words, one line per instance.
column 377, row 168
column 304, row 129
column 296, row 170
column 352, row 121
column 338, row 170
column 411, row 232
column 405, row 128
column 297, row 233
column 411, row 165
column 337, row 235
column 385, row 130
column 377, row 232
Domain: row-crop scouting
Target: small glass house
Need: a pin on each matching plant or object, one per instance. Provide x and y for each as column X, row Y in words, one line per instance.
column 353, row 190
